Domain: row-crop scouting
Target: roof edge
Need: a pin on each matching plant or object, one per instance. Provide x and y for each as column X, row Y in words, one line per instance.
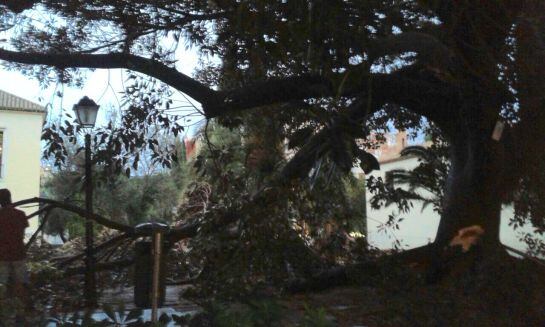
column 31, row 111
column 11, row 102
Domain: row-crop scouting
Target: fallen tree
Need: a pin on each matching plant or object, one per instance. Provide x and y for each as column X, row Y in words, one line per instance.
column 480, row 83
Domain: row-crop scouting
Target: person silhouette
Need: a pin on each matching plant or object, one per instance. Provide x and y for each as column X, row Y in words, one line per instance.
column 13, row 223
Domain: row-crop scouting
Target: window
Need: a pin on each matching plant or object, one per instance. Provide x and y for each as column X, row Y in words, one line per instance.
column 392, row 177
column 1, row 153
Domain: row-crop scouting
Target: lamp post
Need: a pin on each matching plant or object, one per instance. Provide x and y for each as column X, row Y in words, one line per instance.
column 86, row 112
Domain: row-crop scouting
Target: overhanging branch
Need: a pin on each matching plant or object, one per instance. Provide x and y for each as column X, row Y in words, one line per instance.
column 271, row 91
column 392, row 87
column 150, row 67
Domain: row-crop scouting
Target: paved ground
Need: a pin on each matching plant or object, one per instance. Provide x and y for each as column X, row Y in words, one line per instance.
column 125, row 295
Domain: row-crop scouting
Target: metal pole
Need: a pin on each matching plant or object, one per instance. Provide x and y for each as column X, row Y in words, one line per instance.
column 365, row 224
column 90, row 282
column 156, row 267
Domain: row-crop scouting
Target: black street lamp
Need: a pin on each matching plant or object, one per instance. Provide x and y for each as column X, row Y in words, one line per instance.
column 86, row 112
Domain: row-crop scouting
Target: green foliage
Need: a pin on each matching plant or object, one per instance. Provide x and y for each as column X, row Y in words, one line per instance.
column 74, row 320
column 356, row 198
column 253, row 236
column 118, row 316
column 256, row 313
column 425, row 183
column 316, row 318
column 129, row 200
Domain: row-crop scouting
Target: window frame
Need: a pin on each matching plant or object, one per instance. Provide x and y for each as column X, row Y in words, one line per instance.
column 389, row 177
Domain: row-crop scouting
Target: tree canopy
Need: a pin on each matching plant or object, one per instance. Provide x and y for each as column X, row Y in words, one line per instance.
column 335, row 69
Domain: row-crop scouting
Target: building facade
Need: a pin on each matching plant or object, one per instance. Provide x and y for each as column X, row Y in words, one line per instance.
column 419, row 225
column 21, row 124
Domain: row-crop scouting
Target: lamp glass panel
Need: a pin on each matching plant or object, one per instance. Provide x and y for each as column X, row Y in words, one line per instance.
column 86, row 115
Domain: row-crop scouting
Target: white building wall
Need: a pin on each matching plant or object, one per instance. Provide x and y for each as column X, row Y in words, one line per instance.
column 420, row 225
column 21, row 156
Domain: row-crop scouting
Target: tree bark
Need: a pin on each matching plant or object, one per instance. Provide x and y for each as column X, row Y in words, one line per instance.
column 474, row 191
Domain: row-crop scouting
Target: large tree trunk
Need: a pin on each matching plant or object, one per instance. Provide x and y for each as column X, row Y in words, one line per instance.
column 474, row 189
column 479, row 178
column 473, row 196
column 476, row 183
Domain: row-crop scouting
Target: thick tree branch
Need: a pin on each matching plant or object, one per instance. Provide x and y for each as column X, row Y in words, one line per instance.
column 274, row 90
column 191, row 229
column 174, row 235
column 47, row 210
column 262, row 93
column 182, row 232
column 150, row 67
column 415, row 87
column 214, row 103
column 72, row 208
column 39, row 212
